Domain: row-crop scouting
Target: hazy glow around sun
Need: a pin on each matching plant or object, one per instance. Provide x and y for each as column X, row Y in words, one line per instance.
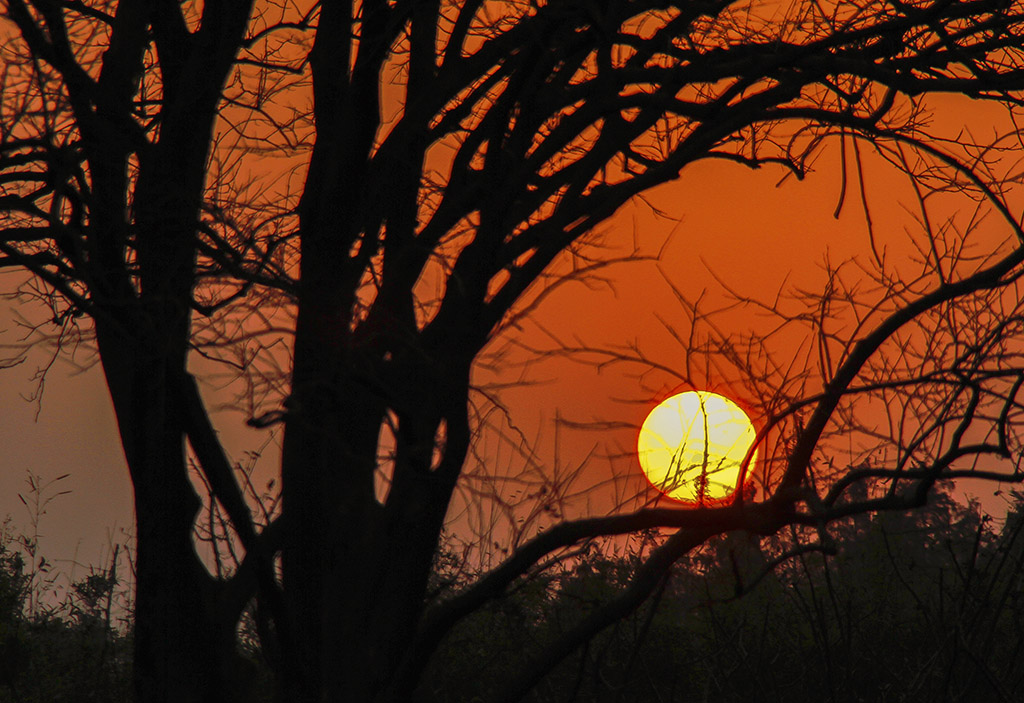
column 691, row 446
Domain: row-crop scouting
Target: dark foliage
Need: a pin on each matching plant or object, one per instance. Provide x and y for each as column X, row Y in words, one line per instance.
column 72, row 651
column 917, row 606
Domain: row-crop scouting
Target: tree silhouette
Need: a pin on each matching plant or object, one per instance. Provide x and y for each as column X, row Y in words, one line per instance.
column 467, row 144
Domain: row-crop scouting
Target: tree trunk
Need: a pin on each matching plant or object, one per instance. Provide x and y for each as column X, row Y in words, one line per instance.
column 355, row 571
column 182, row 650
column 330, row 514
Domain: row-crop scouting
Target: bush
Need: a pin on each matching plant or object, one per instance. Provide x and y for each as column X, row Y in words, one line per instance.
column 68, row 652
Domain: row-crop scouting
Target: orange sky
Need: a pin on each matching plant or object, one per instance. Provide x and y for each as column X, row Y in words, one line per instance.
column 724, row 218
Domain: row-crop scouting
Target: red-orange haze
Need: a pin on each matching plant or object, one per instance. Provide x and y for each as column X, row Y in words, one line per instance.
column 688, row 250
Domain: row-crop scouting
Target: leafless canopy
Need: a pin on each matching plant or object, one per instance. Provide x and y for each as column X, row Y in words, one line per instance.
column 450, row 152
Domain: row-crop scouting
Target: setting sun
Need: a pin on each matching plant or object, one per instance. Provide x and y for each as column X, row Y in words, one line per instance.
column 691, row 446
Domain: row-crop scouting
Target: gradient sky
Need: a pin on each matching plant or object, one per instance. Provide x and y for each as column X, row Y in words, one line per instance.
column 724, row 218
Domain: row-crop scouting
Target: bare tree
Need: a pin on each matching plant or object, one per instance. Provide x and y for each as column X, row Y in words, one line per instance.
column 459, row 146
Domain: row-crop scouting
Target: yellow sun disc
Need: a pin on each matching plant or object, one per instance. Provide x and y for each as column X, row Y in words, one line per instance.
column 691, row 447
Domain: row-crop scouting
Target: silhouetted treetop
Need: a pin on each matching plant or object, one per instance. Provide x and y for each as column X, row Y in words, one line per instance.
column 345, row 202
